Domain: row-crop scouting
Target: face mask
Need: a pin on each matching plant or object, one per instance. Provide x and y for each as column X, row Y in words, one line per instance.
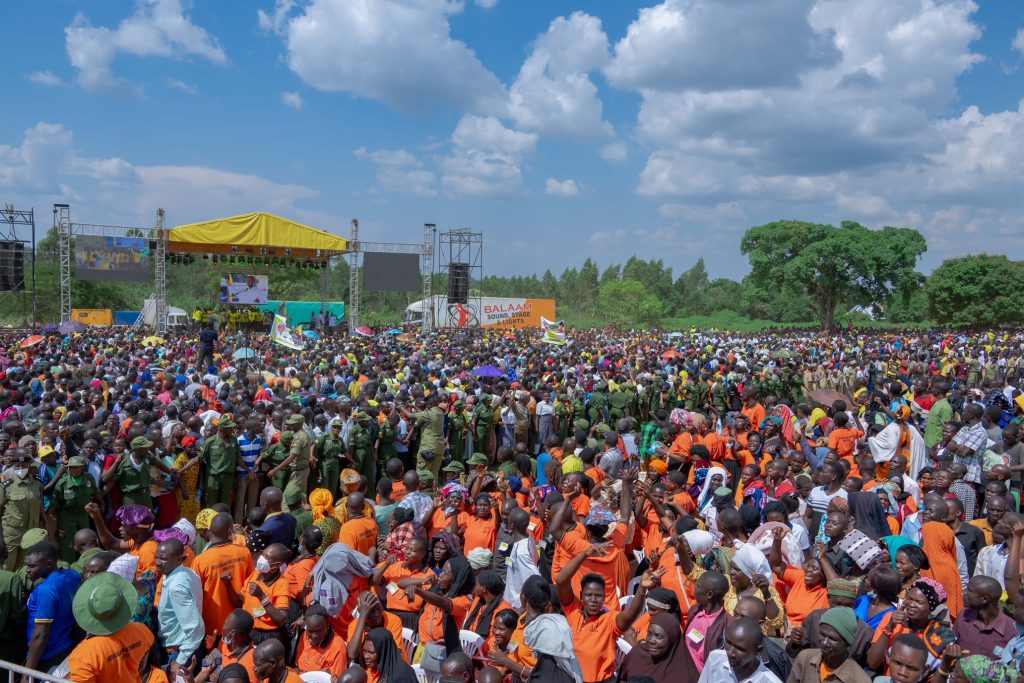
column 262, row 565
column 22, row 472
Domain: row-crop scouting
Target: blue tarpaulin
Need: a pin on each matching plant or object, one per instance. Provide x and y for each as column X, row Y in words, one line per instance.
column 126, row 317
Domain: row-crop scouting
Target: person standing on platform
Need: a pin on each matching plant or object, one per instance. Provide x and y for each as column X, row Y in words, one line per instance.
column 431, row 425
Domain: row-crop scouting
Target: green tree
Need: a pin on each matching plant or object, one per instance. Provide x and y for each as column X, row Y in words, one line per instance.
column 976, row 290
column 611, row 273
column 628, row 303
column 834, row 265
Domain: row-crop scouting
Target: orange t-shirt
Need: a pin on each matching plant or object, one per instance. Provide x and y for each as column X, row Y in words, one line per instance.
column 391, row 622
column 675, row 580
column 359, row 534
column 397, row 490
column 111, row 658
column 535, row 528
column 439, row 521
column 755, row 414
column 332, row 657
column 613, row 567
column 801, row 601
column 716, row 446
column 278, row 594
column 245, row 658
column 146, row 554
column 581, row 505
column 432, row 619
column 397, row 599
column 593, row 639
column 843, row 441
column 685, row 501
column 210, row 565
column 597, row 475
column 297, row 575
column 479, row 533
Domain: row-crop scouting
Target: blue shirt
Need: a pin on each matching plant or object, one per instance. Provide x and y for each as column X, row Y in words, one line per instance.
column 281, row 528
column 50, row 603
column 542, row 462
column 181, row 613
column 250, row 450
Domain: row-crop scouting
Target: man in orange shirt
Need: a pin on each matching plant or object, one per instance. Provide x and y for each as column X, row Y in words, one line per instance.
column 301, row 567
column 320, row 648
column 115, row 646
column 266, row 592
column 752, row 409
column 360, row 531
column 223, row 568
column 371, row 616
column 843, row 440
column 269, row 664
column 236, row 644
column 136, row 530
column 594, row 628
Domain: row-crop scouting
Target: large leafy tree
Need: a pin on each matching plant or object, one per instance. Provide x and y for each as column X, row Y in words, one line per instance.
column 976, row 290
column 628, row 303
column 849, row 264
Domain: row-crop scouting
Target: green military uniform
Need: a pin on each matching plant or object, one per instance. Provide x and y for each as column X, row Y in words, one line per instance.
column 220, row 454
column 134, row 481
column 387, row 436
column 598, row 405
column 13, row 594
column 431, row 424
column 87, row 554
column 483, row 416
column 617, row 403
column 718, row 397
column 700, row 393
column 70, row 496
column 22, row 503
column 458, row 423
column 360, row 449
column 274, row 456
column 298, row 479
column 632, row 408
column 329, row 451
column 562, row 413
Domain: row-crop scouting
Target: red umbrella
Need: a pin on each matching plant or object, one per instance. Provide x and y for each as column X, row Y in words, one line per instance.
column 32, row 341
column 670, row 354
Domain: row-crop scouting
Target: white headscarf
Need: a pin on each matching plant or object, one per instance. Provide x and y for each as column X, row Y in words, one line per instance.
column 185, row 527
column 700, row 542
column 550, row 634
column 752, row 562
column 706, row 490
column 124, row 566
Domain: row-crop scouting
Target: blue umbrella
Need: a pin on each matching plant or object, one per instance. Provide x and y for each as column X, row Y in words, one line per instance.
column 71, row 326
column 312, row 334
column 394, row 330
column 244, row 353
column 488, row 371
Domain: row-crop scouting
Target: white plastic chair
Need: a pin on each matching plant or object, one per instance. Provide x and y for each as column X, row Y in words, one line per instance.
column 633, row 586
column 421, row 675
column 471, row 642
column 624, row 602
column 622, row 649
column 410, row 639
column 640, row 555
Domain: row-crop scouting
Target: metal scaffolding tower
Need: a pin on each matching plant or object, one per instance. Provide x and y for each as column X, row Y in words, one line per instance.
column 160, row 273
column 62, row 223
column 354, row 295
column 427, row 269
column 461, row 248
column 12, row 223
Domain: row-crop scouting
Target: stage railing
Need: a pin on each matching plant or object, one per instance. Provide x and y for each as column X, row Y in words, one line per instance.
column 14, row 671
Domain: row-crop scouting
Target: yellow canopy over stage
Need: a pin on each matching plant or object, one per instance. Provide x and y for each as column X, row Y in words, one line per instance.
column 255, row 233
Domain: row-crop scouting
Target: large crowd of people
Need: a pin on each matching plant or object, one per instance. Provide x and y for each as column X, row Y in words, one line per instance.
column 789, row 506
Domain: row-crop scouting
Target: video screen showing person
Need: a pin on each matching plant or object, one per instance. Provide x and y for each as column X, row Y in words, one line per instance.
column 116, row 259
column 242, row 289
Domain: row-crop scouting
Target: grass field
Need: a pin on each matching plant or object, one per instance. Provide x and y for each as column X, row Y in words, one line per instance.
column 731, row 321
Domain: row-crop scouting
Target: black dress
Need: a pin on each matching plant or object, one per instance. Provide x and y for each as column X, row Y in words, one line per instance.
column 547, row 670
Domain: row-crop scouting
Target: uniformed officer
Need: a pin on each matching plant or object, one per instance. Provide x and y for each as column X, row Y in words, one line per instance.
column 360, row 449
column 458, row 425
column 131, row 472
column 72, row 492
column 21, row 506
column 330, row 449
column 483, row 416
column 273, row 457
column 297, row 461
column 221, row 456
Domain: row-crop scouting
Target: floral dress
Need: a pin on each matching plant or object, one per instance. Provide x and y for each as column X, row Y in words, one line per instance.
column 186, row 493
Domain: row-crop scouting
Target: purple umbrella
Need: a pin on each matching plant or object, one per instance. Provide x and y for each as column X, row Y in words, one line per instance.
column 488, row 371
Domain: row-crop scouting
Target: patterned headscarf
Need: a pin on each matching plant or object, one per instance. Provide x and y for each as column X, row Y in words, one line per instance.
column 204, row 518
column 933, row 591
column 600, row 516
column 321, row 501
column 981, row 669
column 454, row 487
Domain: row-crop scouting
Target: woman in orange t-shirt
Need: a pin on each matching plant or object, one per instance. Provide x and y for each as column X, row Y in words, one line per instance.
column 480, row 530
column 396, row 577
column 320, row 648
column 446, row 599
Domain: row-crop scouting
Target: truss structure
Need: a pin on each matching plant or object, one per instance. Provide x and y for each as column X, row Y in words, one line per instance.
column 465, row 247
column 15, row 226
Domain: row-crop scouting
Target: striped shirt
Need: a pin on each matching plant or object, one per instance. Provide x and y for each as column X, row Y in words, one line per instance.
column 250, row 448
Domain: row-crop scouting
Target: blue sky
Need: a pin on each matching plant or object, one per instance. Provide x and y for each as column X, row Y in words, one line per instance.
column 560, row 129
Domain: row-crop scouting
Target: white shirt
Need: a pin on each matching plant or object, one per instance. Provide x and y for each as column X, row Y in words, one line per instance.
column 992, row 562
column 545, row 408
column 521, row 565
column 717, row 670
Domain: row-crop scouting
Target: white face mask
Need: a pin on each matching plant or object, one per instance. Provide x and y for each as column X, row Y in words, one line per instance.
column 262, row 565
column 21, row 472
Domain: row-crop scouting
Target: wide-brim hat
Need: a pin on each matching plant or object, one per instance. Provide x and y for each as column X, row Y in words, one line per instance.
column 104, row 604
column 296, row 419
column 141, row 442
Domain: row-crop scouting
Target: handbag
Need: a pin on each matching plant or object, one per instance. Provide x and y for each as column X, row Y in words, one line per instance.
column 433, row 656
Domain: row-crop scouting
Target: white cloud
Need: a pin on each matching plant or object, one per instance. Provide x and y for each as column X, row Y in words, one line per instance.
column 615, row 152
column 486, row 4
column 553, row 94
column 399, row 52
column 47, row 78
column 712, row 45
column 561, row 188
column 1018, row 41
column 46, row 167
column 398, row 170
column 157, row 28
column 487, row 158
column 274, row 22
column 184, row 87
column 293, row 100
column 613, row 237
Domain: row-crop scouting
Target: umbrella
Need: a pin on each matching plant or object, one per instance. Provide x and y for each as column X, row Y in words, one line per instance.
column 50, row 328
column 71, row 327
column 783, row 353
column 675, row 334
column 407, row 337
column 364, row 331
column 394, row 330
column 829, row 396
column 670, row 354
column 32, row 341
column 153, row 341
column 244, row 353
column 488, row 371
column 312, row 334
